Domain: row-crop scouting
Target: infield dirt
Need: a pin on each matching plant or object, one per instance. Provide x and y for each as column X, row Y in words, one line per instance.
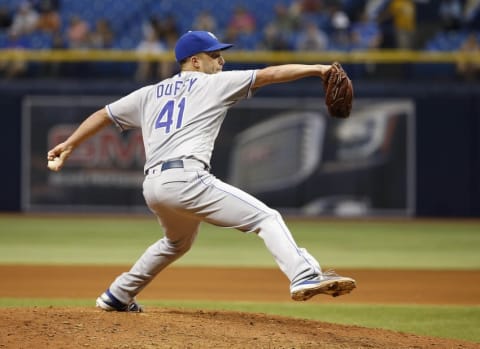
column 53, row 327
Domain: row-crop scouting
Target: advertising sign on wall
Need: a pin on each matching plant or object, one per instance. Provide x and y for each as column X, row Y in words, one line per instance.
column 285, row 151
column 307, row 163
column 103, row 174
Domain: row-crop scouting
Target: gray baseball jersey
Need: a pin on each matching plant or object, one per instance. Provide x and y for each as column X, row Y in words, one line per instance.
column 181, row 116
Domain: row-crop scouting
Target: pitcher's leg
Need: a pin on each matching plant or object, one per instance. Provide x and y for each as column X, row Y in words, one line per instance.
column 180, row 233
column 295, row 262
column 232, row 207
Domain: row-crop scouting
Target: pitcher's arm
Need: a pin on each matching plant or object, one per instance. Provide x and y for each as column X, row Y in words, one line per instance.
column 90, row 126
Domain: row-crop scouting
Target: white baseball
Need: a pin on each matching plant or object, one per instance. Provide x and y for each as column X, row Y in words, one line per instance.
column 54, row 164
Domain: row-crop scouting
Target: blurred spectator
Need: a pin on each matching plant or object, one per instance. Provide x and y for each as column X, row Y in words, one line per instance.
column 49, row 20
column 312, row 11
column 231, row 35
column 311, row 38
column 58, row 41
column 340, row 27
column 311, row 6
column 24, row 20
column 241, row 41
column 295, row 8
column 78, row 33
column 402, row 15
column 374, row 8
column 471, row 14
column 102, row 36
column 450, row 12
column 17, row 66
column 241, row 29
column 242, row 21
column 466, row 68
column 43, row 5
column 365, row 33
column 167, row 31
column 5, row 18
column 377, row 10
column 168, row 35
column 149, row 70
column 273, row 39
column 205, row 21
column 151, row 44
column 151, row 24
column 353, row 8
column 279, row 32
column 287, row 19
column 340, row 19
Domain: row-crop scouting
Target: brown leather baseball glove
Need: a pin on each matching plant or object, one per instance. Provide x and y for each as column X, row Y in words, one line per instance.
column 338, row 91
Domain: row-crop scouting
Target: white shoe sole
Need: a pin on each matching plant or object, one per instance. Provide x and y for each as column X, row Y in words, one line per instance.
column 102, row 305
column 334, row 287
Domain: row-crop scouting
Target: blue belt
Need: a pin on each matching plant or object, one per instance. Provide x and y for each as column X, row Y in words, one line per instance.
column 167, row 165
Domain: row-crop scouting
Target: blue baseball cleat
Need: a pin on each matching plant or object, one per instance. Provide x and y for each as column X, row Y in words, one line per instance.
column 109, row 302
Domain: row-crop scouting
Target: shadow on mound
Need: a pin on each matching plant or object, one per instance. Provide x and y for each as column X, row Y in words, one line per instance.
column 173, row 328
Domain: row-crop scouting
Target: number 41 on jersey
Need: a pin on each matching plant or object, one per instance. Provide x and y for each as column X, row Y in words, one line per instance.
column 170, row 110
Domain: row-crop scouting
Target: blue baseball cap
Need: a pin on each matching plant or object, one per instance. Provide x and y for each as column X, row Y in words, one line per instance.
column 194, row 42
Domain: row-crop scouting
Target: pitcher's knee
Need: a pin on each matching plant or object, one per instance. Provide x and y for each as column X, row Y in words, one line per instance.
column 261, row 220
column 177, row 248
column 273, row 215
column 269, row 221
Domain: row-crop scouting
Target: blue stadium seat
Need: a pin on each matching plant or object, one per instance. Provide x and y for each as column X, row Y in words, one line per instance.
column 39, row 40
column 447, row 41
column 3, row 40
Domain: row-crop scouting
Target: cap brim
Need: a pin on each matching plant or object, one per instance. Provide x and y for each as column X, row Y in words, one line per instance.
column 218, row 47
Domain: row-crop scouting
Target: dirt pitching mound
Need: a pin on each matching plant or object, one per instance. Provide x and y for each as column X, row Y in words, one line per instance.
column 170, row 328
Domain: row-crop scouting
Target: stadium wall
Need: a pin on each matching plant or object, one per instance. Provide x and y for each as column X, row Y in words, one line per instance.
column 447, row 133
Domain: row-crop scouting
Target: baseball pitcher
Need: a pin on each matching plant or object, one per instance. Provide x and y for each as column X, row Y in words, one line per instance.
column 180, row 118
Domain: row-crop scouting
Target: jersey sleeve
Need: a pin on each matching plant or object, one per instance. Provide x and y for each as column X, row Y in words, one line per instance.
column 233, row 86
column 126, row 111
